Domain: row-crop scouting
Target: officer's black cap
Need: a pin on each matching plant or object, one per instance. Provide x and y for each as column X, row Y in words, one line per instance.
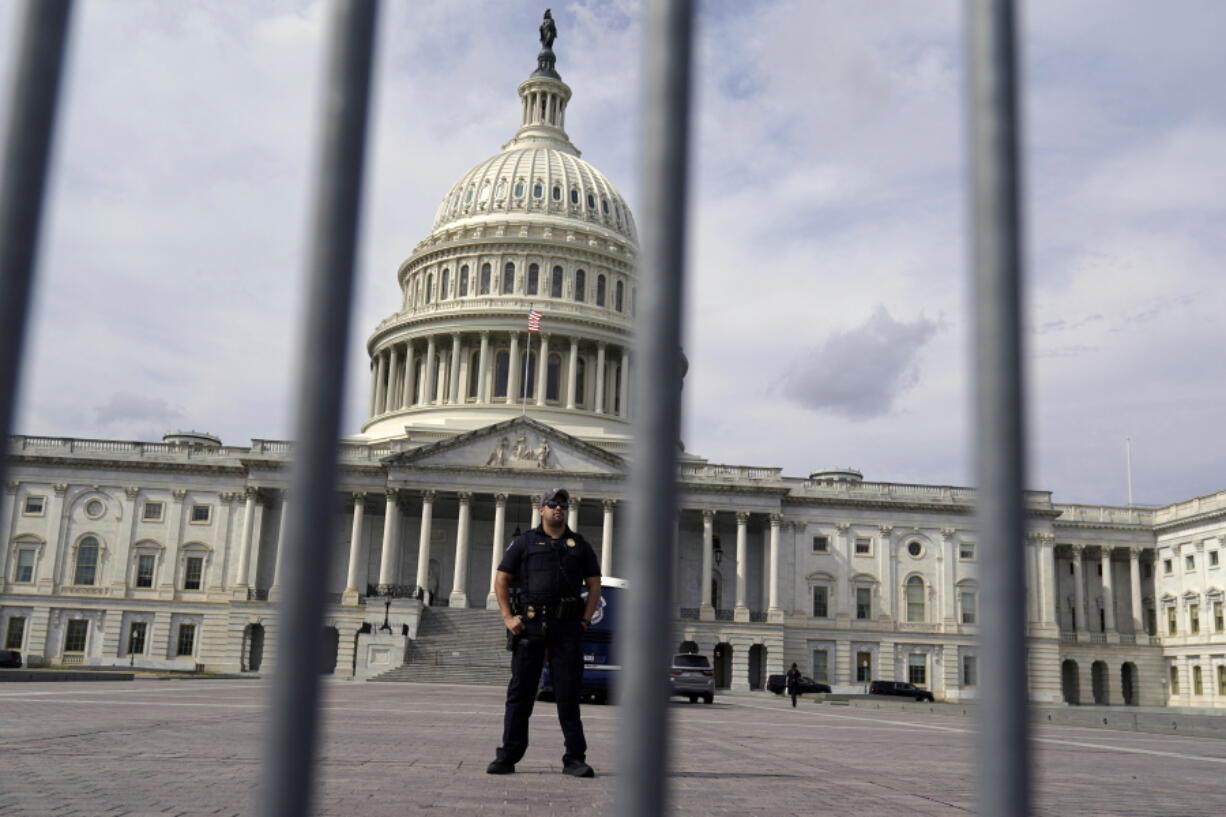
column 556, row 495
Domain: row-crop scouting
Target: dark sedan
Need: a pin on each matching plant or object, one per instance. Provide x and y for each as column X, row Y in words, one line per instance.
column 901, row 689
column 778, row 685
column 10, row 659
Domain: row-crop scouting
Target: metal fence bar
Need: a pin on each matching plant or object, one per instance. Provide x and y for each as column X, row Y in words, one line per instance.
column 643, row 738
column 996, row 271
column 41, row 41
column 294, row 696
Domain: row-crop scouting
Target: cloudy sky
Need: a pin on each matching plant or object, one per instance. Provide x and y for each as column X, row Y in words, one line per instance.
column 827, row 298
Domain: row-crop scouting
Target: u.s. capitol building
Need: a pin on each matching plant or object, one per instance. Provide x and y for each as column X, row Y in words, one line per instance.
column 168, row 554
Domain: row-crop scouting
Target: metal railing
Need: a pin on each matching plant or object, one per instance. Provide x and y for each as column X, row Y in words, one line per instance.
column 643, row 743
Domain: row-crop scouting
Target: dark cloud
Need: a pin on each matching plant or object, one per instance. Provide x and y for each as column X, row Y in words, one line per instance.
column 860, row 372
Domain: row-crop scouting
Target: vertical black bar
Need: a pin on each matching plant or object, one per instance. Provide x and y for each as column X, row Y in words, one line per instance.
column 642, row 747
column 42, row 35
column 996, row 269
column 294, row 696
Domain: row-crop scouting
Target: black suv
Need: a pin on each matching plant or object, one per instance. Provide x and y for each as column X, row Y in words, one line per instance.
column 900, row 688
column 10, row 659
column 778, row 684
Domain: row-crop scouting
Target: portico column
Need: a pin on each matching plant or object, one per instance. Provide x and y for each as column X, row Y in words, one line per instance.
column 843, row 548
column 625, row 383
column 1134, row 575
column 773, row 609
column 536, row 511
column 1079, row 590
column 1049, row 614
column 351, row 594
column 483, row 390
column 459, row 581
column 279, row 562
column 515, row 391
column 741, row 612
column 542, row 370
column 427, row 396
column 499, row 544
column 572, row 376
column 380, row 384
column 706, row 611
column 606, row 538
column 572, row 513
column 393, row 370
column 423, row 545
column 389, row 562
column 600, row 366
column 374, row 387
column 1108, row 591
column 454, row 396
column 244, row 549
column 408, row 392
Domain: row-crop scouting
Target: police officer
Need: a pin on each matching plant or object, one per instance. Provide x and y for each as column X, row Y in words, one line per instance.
column 549, row 566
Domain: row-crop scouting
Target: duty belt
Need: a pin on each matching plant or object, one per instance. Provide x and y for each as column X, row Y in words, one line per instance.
column 553, row 611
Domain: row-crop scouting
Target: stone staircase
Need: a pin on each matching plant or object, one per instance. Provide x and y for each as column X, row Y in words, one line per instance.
column 456, row 646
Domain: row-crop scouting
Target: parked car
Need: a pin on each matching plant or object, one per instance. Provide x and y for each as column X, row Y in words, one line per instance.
column 899, row 688
column 10, row 659
column 778, row 684
column 692, row 677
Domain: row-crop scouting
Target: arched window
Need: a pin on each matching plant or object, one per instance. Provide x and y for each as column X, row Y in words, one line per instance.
column 534, row 278
column 553, row 377
column 557, row 192
column 464, row 281
column 508, row 279
column 468, row 196
column 529, row 379
column 485, row 193
column 501, row 189
column 87, row 561
column 619, row 295
column 591, row 202
column 555, row 286
column 474, row 375
column 538, row 190
column 429, row 287
column 502, row 370
column 604, row 206
column 915, row 599
column 519, row 190
column 580, row 378
column 485, row 280
column 580, row 285
column 600, row 288
column 574, row 196
column 444, row 288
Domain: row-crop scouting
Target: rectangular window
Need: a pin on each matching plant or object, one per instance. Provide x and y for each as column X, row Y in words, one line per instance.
column 1198, row 684
column 1194, row 619
column 970, row 671
column 192, row 572
column 1189, row 562
column 15, row 633
column 1167, row 567
column 821, row 665
column 1172, row 621
column 201, row 513
column 1147, row 570
column 136, row 638
column 821, row 602
column 25, row 566
column 187, row 639
column 864, row 546
column 1221, row 679
column 1213, row 558
column 864, row 667
column 917, row 669
column 968, row 608
column 144, row 569
column 821, row 544
column 1174, row 680
column 864, row 603
column 1218, row 624
column 35, row 505
column 74, row 637
column 966, row 551
column 152, row 512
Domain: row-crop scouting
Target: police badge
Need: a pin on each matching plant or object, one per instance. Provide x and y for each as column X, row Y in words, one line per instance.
column 570, row 543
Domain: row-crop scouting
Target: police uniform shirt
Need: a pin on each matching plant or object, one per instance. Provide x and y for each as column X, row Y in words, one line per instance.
column 534, row 559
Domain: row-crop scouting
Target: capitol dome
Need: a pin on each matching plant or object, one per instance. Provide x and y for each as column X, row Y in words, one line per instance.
column 534, row 228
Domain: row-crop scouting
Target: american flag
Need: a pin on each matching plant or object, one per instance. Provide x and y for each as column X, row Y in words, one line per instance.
column 534, row 321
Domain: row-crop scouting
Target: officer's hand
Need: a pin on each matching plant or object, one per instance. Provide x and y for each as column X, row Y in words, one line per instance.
column 515, row 624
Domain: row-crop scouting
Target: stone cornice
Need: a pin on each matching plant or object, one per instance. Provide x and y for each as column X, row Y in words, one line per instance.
column 1189, row 521
column 88, row 462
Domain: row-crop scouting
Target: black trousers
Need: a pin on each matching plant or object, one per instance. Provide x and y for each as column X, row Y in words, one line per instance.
column 560, row 642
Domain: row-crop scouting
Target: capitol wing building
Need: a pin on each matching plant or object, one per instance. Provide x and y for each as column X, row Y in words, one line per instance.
column 168, row 555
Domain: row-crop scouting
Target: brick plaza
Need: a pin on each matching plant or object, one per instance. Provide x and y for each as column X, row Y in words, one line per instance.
column 192, row 748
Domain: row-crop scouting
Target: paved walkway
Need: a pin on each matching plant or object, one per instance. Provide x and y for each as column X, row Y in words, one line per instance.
column 192, row 748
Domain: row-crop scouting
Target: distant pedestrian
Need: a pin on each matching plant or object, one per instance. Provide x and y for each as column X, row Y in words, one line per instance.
column 793, row 682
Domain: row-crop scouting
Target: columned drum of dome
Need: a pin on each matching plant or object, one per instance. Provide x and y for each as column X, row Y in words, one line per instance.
column 534, row 227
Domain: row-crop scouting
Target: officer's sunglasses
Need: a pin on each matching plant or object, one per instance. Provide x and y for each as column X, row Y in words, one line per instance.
column 552, row 504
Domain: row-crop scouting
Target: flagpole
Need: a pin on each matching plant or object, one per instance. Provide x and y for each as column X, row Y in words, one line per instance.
column 523, row 400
